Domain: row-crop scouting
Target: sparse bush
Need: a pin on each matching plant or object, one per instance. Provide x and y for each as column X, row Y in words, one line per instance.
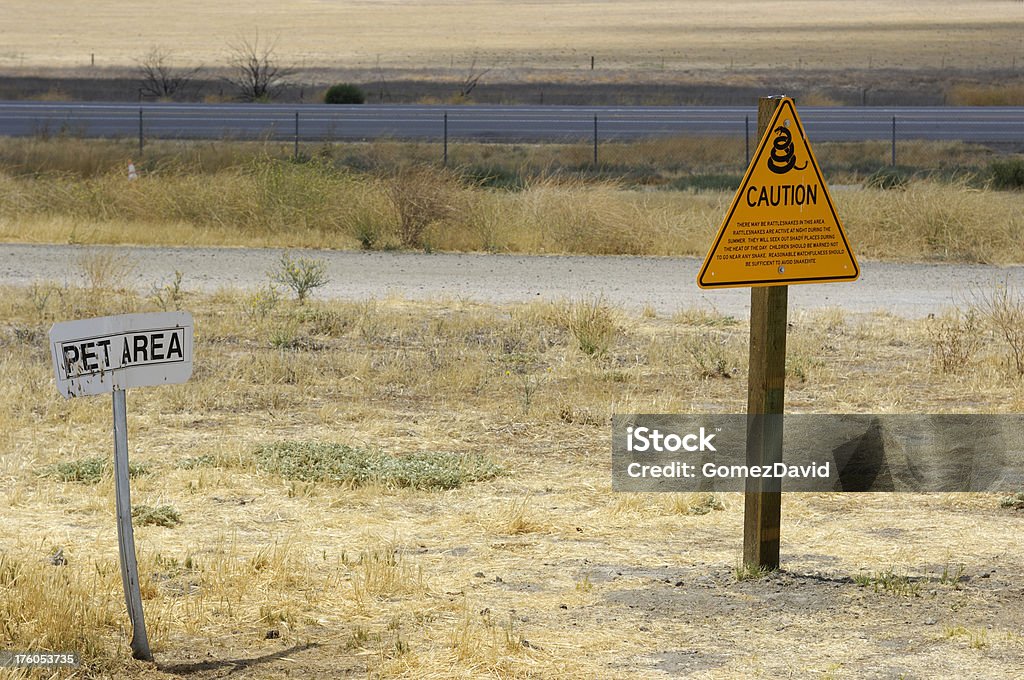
column 105, row 269
column 302, row 275
column 593, row 324
column 750, row 572
column 711, row 356
column 1003, row 308
column 170, row 295
column 888, row 178
column 955, row 338
column 344, row 93
column 286, row 336
column 1008, row 174
column 422, row 196
column 261, row 303
column 384, row 572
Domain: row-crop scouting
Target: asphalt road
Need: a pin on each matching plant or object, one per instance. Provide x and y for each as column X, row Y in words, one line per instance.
column 494, row 123
column 665, row 284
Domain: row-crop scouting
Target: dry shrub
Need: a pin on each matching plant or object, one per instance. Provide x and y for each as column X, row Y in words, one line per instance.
column 593, row 324
column 516, row 518
column 986, row 95
column 423, row 196
column 955, row 339
column 1003, row 309
column 383, row 572
column 105, row 269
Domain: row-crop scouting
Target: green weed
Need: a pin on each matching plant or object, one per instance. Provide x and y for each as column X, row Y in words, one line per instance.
column 161, row 515
column 89, row 470
column 323, row 461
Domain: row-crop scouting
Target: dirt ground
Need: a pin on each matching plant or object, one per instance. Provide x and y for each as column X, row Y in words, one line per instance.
column 665, row 284
column 539, row 572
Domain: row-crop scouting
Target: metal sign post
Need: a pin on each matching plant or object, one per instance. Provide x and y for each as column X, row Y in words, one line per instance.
column 125, row 534
column 111, row 354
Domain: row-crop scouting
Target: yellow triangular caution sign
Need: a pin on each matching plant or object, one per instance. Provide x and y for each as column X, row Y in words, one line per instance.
column 782, row 227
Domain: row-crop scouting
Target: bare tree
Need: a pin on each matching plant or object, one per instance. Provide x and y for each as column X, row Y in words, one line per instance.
column 157, row 78
column 255, row 69
column 473, row 77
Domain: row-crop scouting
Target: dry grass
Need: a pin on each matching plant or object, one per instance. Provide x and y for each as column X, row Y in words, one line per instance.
column 512, row 198
column 934, row 221
column 671, row 162
column 539, row 572
column 644, row 35
column 987, row 95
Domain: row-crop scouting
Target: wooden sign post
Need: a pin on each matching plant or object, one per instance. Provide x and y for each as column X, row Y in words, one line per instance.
column 766, row 396
column 781, row 229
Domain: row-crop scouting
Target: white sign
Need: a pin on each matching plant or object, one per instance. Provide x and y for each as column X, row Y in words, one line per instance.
column 95, row 356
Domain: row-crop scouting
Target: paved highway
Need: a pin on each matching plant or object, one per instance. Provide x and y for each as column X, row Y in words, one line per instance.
column 494, row 123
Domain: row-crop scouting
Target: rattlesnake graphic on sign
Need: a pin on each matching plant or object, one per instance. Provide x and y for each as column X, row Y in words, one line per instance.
column 783, row 157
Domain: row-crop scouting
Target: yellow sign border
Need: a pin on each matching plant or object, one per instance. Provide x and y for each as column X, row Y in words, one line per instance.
column 761, row 147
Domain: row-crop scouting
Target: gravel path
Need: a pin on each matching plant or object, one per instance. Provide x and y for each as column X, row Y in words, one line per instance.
column 666, row 284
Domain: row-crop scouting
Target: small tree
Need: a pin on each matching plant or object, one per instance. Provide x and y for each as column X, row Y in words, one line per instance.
column 301, row 275
column 255, row 70
column 157, row 78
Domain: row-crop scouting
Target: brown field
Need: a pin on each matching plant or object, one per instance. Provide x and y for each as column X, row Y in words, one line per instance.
column 638, row 36
column 539, row 572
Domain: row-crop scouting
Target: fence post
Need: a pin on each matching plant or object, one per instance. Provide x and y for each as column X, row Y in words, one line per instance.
column 894, row 141
column 595, row 141
column 445, row 139
column 296, row 154
column 141, row 139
